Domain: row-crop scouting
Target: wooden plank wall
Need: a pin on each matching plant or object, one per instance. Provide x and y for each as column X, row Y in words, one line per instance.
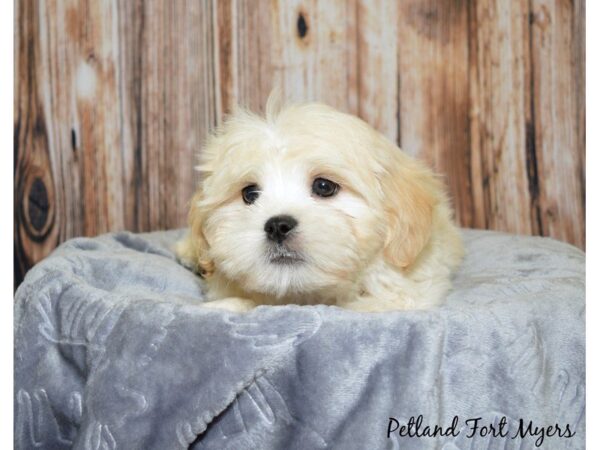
column 114, row 98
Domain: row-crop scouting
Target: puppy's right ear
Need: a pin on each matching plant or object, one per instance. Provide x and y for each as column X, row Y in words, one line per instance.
column 192, row 250
column 411, row 193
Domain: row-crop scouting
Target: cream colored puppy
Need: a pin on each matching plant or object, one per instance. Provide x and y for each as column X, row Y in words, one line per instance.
column 311, row 205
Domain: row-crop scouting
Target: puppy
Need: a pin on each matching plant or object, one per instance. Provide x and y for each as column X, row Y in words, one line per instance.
column 313, row 206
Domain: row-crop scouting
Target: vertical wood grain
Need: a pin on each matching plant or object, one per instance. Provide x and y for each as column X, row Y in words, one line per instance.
column 245, row 61
column 501, row 119
column 131, row 32
column 113, row 100
column 313, row 50
column 91, row 65
column 35, row 197
column 176, row 106
column 433, row 94
column 558, row 65
column 307, row 48
column 377, row 65
column 168, row 104
column 310, row 42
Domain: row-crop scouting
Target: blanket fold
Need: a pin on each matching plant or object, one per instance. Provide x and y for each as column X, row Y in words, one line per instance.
column 113, row 350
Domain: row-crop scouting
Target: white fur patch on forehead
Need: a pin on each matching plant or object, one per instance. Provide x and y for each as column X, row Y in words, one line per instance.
column 276, row 141
column 283, row 185
column 245, row 138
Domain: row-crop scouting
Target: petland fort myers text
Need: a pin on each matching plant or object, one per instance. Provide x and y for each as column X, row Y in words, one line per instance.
column 477, row 427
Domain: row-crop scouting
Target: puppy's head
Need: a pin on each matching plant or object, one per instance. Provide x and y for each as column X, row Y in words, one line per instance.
column 305, row 200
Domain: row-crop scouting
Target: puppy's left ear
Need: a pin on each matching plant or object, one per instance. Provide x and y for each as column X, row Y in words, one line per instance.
column 192, row 250
column 410, row 194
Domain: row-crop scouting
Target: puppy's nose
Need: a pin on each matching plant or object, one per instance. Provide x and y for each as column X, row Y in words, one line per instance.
column 279, row 227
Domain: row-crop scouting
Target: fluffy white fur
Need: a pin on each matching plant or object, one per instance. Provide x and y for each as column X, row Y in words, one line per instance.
column 385, row 242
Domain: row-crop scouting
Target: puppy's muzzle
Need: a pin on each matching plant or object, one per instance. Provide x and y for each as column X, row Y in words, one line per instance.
column 278, row 228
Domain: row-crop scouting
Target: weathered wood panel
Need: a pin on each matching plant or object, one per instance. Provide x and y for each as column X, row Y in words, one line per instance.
column 557, row 46
column 433, row 42
column 113, row 102
column 37, row 203
column 309, row 49
column 114, row 99
column 245, row 61
column 378, row 79
column 501, row 114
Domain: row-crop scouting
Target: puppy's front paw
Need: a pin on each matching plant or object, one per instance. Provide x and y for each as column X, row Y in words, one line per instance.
column 184, row 252
column 233, row 304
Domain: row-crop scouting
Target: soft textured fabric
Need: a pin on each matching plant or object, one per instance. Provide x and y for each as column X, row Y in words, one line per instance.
column 114, row 351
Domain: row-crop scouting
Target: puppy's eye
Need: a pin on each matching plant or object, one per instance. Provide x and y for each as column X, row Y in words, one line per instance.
column 324, row 187
column 250, row 194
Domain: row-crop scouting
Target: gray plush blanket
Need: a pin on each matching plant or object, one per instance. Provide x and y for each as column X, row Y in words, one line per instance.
column 113, row 351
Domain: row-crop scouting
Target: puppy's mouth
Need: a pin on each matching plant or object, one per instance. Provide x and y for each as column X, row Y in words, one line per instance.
column 281, row 254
